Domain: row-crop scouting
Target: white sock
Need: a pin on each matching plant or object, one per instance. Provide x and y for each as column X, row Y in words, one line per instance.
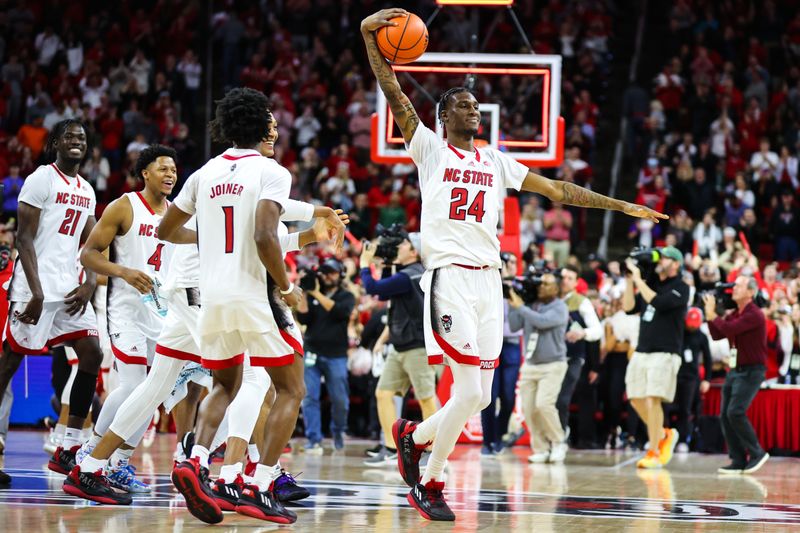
column 265, row 475
column 93, row 441
column 252, row 453
column 121, row 456
column 86, row 434
column 201, row 453
column 72, row 438
column 228, row 473
column 58, row 433
column 92, row 465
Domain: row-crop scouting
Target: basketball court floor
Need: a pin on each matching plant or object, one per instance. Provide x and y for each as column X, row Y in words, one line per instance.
column 593, row 492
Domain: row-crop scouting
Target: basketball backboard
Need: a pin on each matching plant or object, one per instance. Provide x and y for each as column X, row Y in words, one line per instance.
column 529, row 129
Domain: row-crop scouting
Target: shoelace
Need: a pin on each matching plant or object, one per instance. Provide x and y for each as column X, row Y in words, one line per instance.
column 289, row 477
column 435, row 496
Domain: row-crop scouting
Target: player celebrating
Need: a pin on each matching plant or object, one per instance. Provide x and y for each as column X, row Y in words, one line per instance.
column 238, row 198
column 49, row 305
column 136, row 268
column 461, row 254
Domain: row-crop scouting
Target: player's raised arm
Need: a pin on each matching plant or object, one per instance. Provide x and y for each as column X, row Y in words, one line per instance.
column 571, row 194
column 404, row 114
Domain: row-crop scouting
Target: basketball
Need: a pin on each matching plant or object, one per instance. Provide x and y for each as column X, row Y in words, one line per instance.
column 405, row 42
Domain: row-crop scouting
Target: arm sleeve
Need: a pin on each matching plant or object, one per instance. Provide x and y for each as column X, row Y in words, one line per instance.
column 187, row 198
column 423, row 144
column 594, row 331
column 294, row 210
column 513, row 172
column 276, row 183
column 343, row 306
column 290, row 242
column 515, row 319
column 35, row 189
column 675, row 296
column 394, row 285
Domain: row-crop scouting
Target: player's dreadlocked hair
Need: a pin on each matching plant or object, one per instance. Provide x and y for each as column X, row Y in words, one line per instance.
column 150, row 154
column 446, row 96
column 55, row 135
column 242, row 118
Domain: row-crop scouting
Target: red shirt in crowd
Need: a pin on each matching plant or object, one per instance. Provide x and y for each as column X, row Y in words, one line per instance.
column 746, row 329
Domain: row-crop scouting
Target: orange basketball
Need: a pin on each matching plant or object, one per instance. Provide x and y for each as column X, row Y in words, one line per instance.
column 405, row 42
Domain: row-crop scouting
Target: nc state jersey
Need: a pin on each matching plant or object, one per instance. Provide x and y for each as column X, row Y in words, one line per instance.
column 141, row 249
column 66, row 203
column 461, row 198
column 224, row 194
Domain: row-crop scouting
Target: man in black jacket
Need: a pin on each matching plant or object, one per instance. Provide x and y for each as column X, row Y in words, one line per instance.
column 326, row 313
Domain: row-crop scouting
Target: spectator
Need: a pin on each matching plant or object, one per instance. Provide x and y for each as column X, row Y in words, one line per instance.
column 61, row 112
column 97, row 171
column 47, row 44
column 764, row 159
column 785, row 228
column 557, row 225
column 393, row 212
column 33, row 136
column 307, row 127
column 707, row 236
column 12, row 184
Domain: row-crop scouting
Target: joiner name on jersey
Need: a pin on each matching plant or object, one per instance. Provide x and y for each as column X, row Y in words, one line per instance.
column 469, row 176
column 73, row 199
column 226, row 188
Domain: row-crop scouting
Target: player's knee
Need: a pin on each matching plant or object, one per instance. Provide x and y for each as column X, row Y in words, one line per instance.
column 381, row 394
column 470, row 397
column 89, row 358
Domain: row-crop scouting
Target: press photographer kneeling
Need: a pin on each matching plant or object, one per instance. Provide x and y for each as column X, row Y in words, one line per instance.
column 746, row 329
column 406, row 361
column 543, row 317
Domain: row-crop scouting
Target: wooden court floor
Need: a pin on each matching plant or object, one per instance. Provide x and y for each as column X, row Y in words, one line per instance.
column 593, row 492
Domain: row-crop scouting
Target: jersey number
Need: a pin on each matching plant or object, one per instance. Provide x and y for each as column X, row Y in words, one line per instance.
column 459, row 198
column 228, row 211
column 70, row 223
column 155, row 259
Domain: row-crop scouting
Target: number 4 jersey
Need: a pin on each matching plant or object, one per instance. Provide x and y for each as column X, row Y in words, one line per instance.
column 461, row 195
column 139, row 248
column 66, row 203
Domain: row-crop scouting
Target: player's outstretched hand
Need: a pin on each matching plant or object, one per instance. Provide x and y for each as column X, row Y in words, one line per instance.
column 32, row 311
column 78, row 298
column 382, row 18
column 138, row 280
column 293, row 298
column 332, row 227
column 640, row 211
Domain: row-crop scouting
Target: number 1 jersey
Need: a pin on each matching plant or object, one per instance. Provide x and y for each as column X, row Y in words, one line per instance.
column 461, row 195
column 66, row 203
column 224, row 194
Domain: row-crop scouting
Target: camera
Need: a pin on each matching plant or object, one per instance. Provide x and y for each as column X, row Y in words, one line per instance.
column 526, row 285
column 723, row 292
column 388, row 241
column 645, row 258
column 309, row 281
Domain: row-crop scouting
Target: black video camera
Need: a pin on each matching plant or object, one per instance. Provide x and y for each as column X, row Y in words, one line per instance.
column 527, row 285
column 645, row 258
column 389, row 239
column 308, row 282
column 723, row 292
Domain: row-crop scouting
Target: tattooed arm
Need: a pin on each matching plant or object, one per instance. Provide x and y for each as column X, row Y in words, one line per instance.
column 571, row 194
column 404, row 114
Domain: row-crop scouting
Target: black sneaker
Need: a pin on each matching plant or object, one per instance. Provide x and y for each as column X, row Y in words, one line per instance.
column 94, row 487
column 187, row 443
column 191, row 480
column 263, row 505
column 730, row 470
column 755, row 464
column 429, row 501
column 286, row 489
column 373, row 452
column 408, row 453
column 228, row 494
column 63, row 461
column 5, row 479
column 218, row 454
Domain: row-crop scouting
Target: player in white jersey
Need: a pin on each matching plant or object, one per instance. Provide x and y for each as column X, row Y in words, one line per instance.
column 48, row 304
column 136, row 266
column 238, row 198
column 461, row 193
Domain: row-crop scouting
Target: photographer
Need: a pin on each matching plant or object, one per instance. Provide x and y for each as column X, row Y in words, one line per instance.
column 545, row 324
column 406, row 362
column 745, row 328
column 325, row 311
column 652, row 372
column 583, row 330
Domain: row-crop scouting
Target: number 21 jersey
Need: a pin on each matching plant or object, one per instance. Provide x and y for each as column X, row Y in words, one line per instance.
column 461, row 195
column 66, row 203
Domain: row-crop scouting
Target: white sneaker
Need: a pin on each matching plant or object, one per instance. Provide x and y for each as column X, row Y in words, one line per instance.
column 2, row 444
column 682, row 447
column 558, row 453
column 313, row 449
column 51, row 443
column 539, row 458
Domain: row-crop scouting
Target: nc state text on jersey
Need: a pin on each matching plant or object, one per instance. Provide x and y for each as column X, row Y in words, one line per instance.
column 73, row 199
column 469, row 176
column 226, row 188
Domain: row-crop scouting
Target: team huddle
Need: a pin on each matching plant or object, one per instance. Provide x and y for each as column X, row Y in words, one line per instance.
column 199, row 288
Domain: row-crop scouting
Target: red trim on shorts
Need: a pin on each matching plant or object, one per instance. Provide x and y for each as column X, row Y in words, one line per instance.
column 436, row 359
column 454, row 354
column 75, row 362
column 237, row 157
column 145, row 203
column 283, row 360
column 470, row 267
column 177, row 354
column 216, row 364
column 128, row 359
column 71, row 336
column 489, row 365
column 18, row 348
column 292, row 342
